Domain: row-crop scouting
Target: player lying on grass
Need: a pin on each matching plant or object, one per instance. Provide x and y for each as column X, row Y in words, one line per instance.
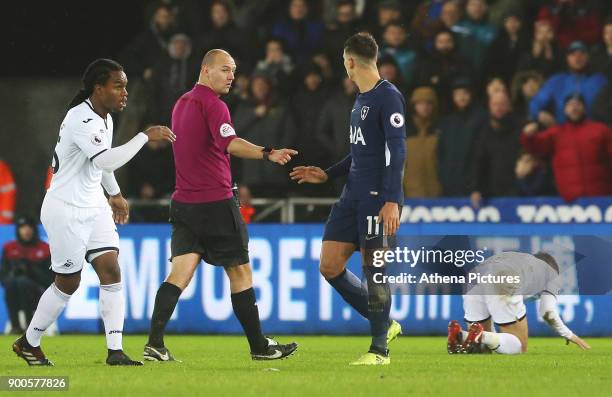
column 503, row 303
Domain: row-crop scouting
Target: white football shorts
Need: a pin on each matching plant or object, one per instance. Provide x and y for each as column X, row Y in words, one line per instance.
column 504, row 309
column 76, row 234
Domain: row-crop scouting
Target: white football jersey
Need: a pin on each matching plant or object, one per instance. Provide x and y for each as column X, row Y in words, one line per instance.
column 535, row 275
column 83, row 135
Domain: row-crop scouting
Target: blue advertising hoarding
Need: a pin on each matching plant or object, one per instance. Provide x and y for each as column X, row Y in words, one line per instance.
column 294, row 299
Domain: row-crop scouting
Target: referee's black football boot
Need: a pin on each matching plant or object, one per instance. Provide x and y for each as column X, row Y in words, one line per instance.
column 275, row 351
column 118, row 357
column 152, row 353
column 31, row 355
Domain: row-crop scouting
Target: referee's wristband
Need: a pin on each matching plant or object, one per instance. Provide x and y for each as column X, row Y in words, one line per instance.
column 266, row 153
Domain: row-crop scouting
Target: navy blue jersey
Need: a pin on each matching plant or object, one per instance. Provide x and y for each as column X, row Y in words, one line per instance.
column 378, row 148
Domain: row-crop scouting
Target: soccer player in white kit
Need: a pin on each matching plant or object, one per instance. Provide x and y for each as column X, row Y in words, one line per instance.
column 78, row 219
column 538, row 275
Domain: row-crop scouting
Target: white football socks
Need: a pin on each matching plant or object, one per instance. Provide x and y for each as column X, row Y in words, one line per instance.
column 112, row 310
column 502, row 343
column 50, row 306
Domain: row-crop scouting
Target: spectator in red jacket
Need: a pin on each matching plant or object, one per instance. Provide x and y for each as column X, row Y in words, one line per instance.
column 24, row 271
column 573, row 20
column 581, row 152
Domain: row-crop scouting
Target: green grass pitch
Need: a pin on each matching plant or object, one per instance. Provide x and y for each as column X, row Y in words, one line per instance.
column 220, row 366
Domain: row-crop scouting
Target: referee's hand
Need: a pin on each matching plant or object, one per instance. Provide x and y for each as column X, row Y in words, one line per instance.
column 281, row 156
column 160, row 133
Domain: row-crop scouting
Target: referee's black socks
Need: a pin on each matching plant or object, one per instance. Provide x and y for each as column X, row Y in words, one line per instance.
column 165, row 302
column 245, row 308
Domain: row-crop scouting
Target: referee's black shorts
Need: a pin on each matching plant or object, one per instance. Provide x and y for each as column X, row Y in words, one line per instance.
column 214, row 230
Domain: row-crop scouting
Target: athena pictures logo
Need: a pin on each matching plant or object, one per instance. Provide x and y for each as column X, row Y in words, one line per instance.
column 397, row 120
column 226, row 130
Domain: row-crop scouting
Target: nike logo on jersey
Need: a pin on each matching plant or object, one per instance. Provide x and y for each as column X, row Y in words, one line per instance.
column 87, row 121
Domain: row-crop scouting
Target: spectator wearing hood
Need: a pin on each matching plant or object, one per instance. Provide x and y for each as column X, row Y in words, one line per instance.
column 577, row 80
column 510, row 44
column 496, row 153
column 173, row 75
column 581, row 152
column 421, row 166
column 443, row 66
column 458, row 133
column 307, row 106
column 149, row 46
column 24, row 271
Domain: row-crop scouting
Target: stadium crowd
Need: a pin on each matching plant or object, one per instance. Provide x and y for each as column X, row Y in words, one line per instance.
column 505, row 97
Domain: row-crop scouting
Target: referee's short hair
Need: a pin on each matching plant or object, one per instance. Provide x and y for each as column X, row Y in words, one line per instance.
column 548, row 258
column 363, row 46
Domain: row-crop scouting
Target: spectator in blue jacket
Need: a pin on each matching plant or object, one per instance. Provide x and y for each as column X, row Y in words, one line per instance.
column 395, row 44
column 577, row 80
column 301, row 35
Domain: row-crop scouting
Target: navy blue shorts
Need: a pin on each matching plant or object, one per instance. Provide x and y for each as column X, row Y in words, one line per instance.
column 354, row 221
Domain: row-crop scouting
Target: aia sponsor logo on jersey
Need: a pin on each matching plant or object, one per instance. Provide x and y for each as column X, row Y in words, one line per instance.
column 356, row 136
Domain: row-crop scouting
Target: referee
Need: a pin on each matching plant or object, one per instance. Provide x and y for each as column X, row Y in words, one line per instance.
column 206, row 222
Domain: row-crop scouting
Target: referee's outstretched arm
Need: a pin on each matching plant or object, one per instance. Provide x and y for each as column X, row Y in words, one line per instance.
column 244, row 149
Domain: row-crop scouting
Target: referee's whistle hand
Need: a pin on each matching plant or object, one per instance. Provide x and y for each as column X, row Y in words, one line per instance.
column 282, row 156
column 160, row 133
